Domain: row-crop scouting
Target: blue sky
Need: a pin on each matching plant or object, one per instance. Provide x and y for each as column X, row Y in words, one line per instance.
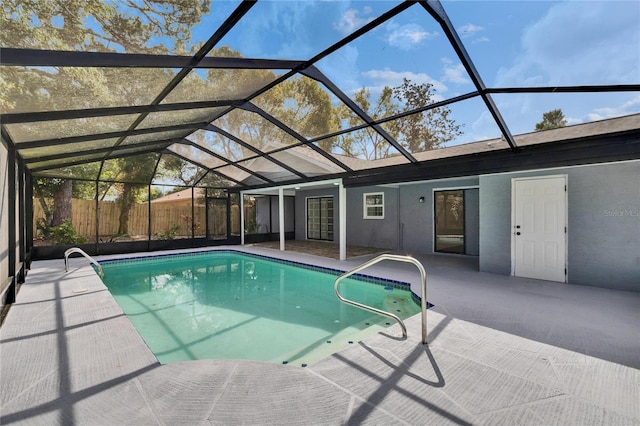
column 512, row 43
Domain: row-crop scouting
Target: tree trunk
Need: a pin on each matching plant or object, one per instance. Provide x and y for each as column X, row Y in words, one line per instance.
column 62, row 203
column 43, row 203
column 126, row 200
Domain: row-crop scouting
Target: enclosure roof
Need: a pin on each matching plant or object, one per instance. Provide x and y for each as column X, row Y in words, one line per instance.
column 246, row 95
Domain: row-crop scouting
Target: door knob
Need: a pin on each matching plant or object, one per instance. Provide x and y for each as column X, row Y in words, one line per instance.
column 517, row 233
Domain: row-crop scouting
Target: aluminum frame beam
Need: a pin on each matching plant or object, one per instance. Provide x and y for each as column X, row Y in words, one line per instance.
column 435, row 9
column 214, row 128
column 253, row 108
column 316, row 74
column 62, row 58
column 189, row 160
column 97, row 136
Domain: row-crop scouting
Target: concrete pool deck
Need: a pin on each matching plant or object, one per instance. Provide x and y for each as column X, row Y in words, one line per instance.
column 502, row 350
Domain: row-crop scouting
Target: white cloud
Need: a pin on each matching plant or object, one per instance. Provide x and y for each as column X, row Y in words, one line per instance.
column 352, row 19
column 406, row 36
column 629, row 107
column 480, row 40
column 454, row 74
column 387, row 77
column 576, row 45
column 469, row 30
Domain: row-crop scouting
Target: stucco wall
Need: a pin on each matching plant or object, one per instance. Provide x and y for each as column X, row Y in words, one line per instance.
column 381, row 233
column 472, row 221
column 603, row 247
column 289, row 214
column 416, row 218
column 408, row 224
column 263, row 215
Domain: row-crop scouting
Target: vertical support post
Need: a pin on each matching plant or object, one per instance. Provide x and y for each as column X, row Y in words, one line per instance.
column 28, row 187
column 270, row 215
column 11, row 193
column 229, row 216
column 149, row 215
column 281, row 216
column 149, row 219
column 206, row 215
column 193, row 215
column 242, row 218
column 342, row 220
column 97, row 216
column 21, row 221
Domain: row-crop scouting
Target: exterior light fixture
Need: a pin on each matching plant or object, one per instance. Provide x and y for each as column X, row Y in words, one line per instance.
column 421, row 200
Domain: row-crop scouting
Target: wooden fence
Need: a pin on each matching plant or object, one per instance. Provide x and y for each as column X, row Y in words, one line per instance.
column 163, row 218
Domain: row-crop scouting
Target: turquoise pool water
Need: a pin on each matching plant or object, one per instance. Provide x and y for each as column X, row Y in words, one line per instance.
column 218, row 305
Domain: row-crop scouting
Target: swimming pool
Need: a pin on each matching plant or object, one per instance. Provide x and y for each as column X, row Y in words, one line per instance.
column 227, row 304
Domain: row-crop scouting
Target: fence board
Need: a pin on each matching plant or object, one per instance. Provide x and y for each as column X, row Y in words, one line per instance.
column 163, row 217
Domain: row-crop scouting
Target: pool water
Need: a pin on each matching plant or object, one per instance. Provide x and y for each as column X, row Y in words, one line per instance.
column 219, row 305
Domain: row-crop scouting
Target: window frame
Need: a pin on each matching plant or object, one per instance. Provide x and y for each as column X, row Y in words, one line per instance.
column 366, row 207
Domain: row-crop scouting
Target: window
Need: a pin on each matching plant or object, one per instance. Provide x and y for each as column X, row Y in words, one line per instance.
column 374, row 205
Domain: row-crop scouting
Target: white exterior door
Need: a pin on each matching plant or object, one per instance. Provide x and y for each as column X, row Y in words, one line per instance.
column 539, row 228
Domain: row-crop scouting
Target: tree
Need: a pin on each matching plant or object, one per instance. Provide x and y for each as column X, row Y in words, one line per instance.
column 304, row 106
column 132, row 26
column 551, row 120
column 137, row 171
column 367, row 143
column 417, row 132
column 426, row 130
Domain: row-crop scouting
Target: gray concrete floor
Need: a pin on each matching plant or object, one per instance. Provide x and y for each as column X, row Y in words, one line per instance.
column 501, row 350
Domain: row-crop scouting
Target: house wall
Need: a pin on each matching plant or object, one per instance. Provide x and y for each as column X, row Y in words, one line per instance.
column 381, row 233
column 289, row 214
column 603, row 247
column 301, row 210
column 263, row 215
column 472, row 221
column 408, row 224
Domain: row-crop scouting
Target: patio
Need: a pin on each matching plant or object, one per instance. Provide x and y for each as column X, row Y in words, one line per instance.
column 502, row 350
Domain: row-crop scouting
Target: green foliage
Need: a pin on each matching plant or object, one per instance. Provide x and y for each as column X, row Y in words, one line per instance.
column 416, row 133
column 367, row 143
column 551, row 120
column 251, row 227
column 133, row 25
column 66, row 234
column 426, row 130
column 169, row 234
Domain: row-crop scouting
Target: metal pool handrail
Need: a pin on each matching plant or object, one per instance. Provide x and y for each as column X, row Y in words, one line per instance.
column 82, row 252
column 423, row 287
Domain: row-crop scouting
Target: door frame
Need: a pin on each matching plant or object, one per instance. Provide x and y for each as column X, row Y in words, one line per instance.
column 566, row 219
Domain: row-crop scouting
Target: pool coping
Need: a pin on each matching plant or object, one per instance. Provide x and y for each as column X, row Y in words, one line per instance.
column 388, row 284
column 69, row 357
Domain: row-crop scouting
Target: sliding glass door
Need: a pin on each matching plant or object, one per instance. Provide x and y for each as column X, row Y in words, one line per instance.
column 320, row 218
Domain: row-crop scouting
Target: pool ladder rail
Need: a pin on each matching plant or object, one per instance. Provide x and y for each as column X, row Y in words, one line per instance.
column 423, row 287
column 82, row 252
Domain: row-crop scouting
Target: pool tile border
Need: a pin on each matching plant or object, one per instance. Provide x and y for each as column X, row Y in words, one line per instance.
column 333, row 271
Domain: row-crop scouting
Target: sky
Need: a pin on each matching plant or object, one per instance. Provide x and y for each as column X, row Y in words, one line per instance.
column 512, row 44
